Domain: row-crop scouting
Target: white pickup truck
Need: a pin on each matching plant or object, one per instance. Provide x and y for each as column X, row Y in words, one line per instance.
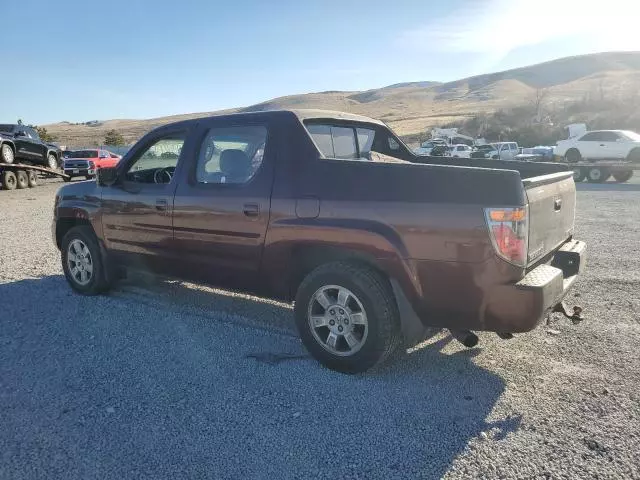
column 600, row 145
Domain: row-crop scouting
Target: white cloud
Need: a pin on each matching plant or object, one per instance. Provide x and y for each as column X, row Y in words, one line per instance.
column 500, row 26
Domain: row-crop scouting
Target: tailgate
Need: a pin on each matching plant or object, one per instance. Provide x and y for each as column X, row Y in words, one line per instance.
column 552, row 205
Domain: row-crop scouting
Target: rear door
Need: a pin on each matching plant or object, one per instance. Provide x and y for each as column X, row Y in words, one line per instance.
column 617, row 145
column 222, row 203
column 552, row 203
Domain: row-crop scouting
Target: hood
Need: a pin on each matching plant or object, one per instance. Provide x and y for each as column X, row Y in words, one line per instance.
column 79, row 190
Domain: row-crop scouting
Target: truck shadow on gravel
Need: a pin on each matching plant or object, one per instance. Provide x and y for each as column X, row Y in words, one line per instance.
column 148, row 382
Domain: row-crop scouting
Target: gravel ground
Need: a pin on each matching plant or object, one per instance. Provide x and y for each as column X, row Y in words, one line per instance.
column 169, row 380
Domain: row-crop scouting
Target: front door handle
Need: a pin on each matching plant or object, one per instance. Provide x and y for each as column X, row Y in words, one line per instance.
column 602, row 145
column 251, row 209
column 161, row 205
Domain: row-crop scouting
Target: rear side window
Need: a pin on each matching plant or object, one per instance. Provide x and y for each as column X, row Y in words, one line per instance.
column 231, row 154
column 609, row 136
column 343, row 143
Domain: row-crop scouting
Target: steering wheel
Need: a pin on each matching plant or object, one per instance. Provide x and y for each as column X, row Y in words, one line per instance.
column 163, row 172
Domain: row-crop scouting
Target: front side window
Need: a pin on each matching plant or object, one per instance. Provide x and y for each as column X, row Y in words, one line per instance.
column 231, row 154
column 590, row 137
column 157, row 162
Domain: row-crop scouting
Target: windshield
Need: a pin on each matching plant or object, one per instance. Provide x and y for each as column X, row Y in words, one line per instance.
column 84, row 154
column 631, row 135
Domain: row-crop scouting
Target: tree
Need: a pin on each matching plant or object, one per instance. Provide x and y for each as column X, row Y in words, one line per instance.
column 538, row 101
column 114, row 139
column 44, row 135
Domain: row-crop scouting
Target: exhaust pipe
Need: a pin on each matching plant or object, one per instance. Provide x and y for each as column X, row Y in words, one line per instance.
column 465, row 337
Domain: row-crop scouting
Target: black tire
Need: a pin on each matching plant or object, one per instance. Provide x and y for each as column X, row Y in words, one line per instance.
column 598, row 174
column 572, row 156
column 52, row 161
column 8, row 180
column 89, row 177
column 579, row 174
column 33, row 178
column 97, row 283
column 634, row 155
column 6, row 154
column 374, row 293
column 22, row 179
column 622, row 176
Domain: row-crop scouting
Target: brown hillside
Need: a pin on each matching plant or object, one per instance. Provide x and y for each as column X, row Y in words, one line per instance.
column 412, row 107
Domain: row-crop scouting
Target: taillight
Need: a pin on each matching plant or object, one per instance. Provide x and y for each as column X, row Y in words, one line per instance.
column 92, row 164
column 509, row 232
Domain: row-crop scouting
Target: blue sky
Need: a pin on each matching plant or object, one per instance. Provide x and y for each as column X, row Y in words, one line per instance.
column 86, row 60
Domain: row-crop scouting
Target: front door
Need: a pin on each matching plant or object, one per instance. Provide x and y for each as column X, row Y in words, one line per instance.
column 137, row 209
column 222, row 204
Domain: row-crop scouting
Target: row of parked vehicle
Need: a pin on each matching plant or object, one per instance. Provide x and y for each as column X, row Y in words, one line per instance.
column 496, row 151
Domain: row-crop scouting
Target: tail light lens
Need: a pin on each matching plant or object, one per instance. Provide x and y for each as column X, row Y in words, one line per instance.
column 92, row 164
column 509, row 232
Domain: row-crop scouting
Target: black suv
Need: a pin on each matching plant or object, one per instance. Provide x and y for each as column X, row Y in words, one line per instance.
column 22, row 144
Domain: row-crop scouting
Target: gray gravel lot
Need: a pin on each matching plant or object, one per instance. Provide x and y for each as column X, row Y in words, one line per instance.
column 168, row 380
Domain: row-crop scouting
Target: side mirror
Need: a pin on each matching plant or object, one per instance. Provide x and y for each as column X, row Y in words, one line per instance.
column 105, row 177
column 20, row 134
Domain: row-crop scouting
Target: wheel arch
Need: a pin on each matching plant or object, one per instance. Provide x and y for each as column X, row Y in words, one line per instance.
column 64, row 224
column 307, row 258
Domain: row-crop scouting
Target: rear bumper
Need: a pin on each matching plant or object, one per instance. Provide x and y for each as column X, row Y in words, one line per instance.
column 520, row 307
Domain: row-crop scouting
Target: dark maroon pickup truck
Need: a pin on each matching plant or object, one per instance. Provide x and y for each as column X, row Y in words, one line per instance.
column 332, row 210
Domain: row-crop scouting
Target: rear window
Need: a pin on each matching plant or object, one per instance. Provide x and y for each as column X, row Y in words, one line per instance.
column 343, row 143
column 6, row 128
column 85, row 154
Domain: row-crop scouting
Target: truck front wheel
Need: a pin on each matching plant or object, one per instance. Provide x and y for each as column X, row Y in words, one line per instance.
column 347, row 317
column 52, row 161
column 82, row 261
column 6, row 154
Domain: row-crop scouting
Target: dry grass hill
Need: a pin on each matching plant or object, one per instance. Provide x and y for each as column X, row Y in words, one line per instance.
column 413, row 107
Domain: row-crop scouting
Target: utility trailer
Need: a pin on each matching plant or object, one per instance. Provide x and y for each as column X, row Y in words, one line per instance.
column 20, row 175
column 600, row 171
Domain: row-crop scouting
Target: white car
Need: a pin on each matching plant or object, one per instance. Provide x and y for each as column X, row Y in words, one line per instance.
column 460, row 150
column 426, row 147
column 600, row 145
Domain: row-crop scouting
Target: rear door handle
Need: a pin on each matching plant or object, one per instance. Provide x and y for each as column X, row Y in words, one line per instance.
column 251, row 209
column 161, row 205
column 602, row 145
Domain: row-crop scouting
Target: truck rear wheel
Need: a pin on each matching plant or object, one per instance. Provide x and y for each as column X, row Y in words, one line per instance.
column 8, row 180
column 22, row 180
column 82, row 261
column 572, row 156
column 579, row 174
column 347, row 317
column 33, row 178
column 622, row 176
column 598, row 174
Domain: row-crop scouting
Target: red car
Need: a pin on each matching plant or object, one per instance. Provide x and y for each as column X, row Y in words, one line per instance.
column 84, row 163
